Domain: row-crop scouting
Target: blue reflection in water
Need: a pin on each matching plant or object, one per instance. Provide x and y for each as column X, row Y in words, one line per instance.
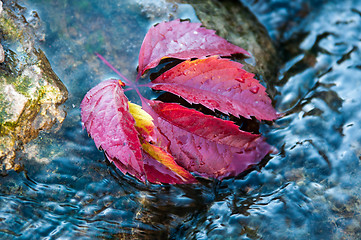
column 309, row 190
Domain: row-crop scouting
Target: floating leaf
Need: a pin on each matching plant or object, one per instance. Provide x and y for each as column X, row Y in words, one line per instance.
column 167, row 168
column 105, row 115
column 159, row 165
column 218, row 84
column 182, row 40
column 164, row 142
column 207, row 145
column 143, row 122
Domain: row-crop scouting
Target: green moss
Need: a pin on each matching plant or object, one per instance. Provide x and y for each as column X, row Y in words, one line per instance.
column 22, row 85
column 10, row 69
column 33, row 108
column 7, row 128
column 48, row 91
column 10, row 30
column 3, row 112
column 27, row 74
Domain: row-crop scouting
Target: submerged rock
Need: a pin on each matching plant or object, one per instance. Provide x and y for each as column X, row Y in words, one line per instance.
column 236, row 23
column 30, row 92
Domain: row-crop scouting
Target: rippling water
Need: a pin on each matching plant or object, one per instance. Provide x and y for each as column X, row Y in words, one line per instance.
column 309, row 190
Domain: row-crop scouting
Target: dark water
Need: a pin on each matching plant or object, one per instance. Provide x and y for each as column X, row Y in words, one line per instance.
column 309, row 190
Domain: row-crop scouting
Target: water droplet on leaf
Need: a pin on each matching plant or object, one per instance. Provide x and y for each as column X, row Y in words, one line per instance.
column 254, row 89
column 242, row 80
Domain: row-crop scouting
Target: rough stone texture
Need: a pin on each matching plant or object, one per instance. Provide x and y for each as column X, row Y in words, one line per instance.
column 2, row 54
column 30, row 92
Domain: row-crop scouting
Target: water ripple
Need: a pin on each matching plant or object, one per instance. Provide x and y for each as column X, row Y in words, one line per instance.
column 309, row 190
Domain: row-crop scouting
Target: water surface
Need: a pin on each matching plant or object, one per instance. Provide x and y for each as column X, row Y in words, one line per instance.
column 309, row 190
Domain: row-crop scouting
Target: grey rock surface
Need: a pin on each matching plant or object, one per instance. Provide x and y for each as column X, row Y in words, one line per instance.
column 30, row 92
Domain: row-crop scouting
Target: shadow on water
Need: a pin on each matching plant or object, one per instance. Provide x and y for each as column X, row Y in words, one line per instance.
column 309, row 190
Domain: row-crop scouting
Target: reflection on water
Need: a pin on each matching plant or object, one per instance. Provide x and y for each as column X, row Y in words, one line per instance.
column 309, row 190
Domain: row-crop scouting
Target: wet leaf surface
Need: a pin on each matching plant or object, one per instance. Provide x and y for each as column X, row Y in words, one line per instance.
column 170, row 134
column 182, row 40
column 218, row 84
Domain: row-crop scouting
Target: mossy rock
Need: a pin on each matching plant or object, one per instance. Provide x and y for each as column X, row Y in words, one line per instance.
column 30, row 92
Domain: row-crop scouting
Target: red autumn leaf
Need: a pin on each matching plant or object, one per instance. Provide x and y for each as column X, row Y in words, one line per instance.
column 105, row 115
column 218, row 84
column 206, row 145
column 158, row 173
column 143, row 123
column 116, row 125
column 182, row 40
column 160, row 166
column 164, row 142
